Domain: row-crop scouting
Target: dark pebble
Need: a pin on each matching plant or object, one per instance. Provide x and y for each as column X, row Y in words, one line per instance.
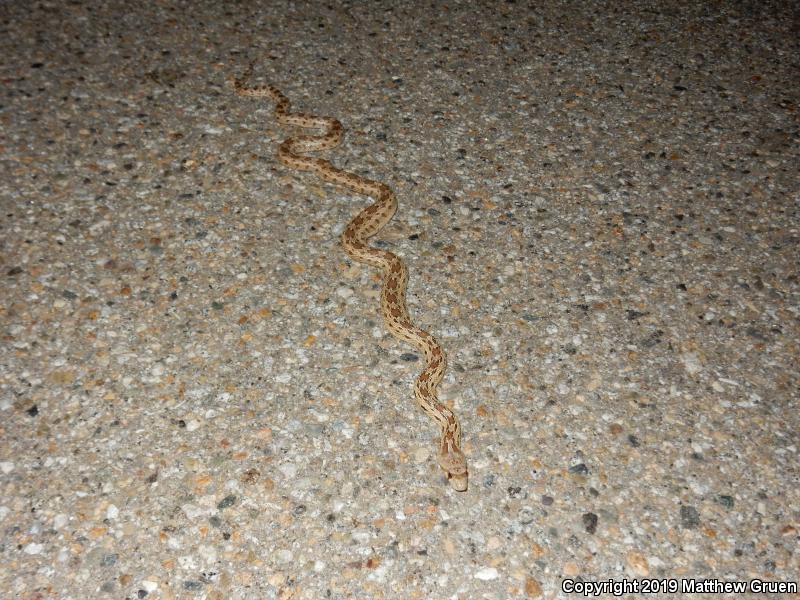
column 192, row 585
column 589, row 522
column 514, row 491
column 726, row 501
column 226, row 502
column 690, row 518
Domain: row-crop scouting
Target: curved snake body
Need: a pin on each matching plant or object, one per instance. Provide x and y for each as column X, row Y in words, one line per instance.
column 395, row 274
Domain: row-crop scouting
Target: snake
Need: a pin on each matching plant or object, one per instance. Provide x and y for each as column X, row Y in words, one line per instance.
column 367, row 223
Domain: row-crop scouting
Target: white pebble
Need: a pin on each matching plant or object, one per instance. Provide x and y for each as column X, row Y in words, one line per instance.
column 487, row 574
column 192, row 511
column 6, row 467
column 361, row 536
column 33, row 549
column 285, row 556
column 289, row 470
column 691, row 362
column 421, row 455
column 208, row 553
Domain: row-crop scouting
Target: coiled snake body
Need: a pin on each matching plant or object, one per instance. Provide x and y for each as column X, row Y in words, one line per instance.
column 395, row 274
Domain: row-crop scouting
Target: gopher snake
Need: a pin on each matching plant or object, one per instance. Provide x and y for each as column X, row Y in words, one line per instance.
column 395, row 274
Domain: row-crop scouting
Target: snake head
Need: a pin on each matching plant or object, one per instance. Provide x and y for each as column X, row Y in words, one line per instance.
column 453, row 461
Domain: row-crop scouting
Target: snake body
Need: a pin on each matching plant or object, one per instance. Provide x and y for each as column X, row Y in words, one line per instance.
column 366, row 224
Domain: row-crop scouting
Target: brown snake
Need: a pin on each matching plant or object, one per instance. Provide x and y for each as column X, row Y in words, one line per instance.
column 395, row 274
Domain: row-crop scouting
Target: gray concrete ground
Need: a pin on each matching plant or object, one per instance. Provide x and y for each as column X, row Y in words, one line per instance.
column 599, row 208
